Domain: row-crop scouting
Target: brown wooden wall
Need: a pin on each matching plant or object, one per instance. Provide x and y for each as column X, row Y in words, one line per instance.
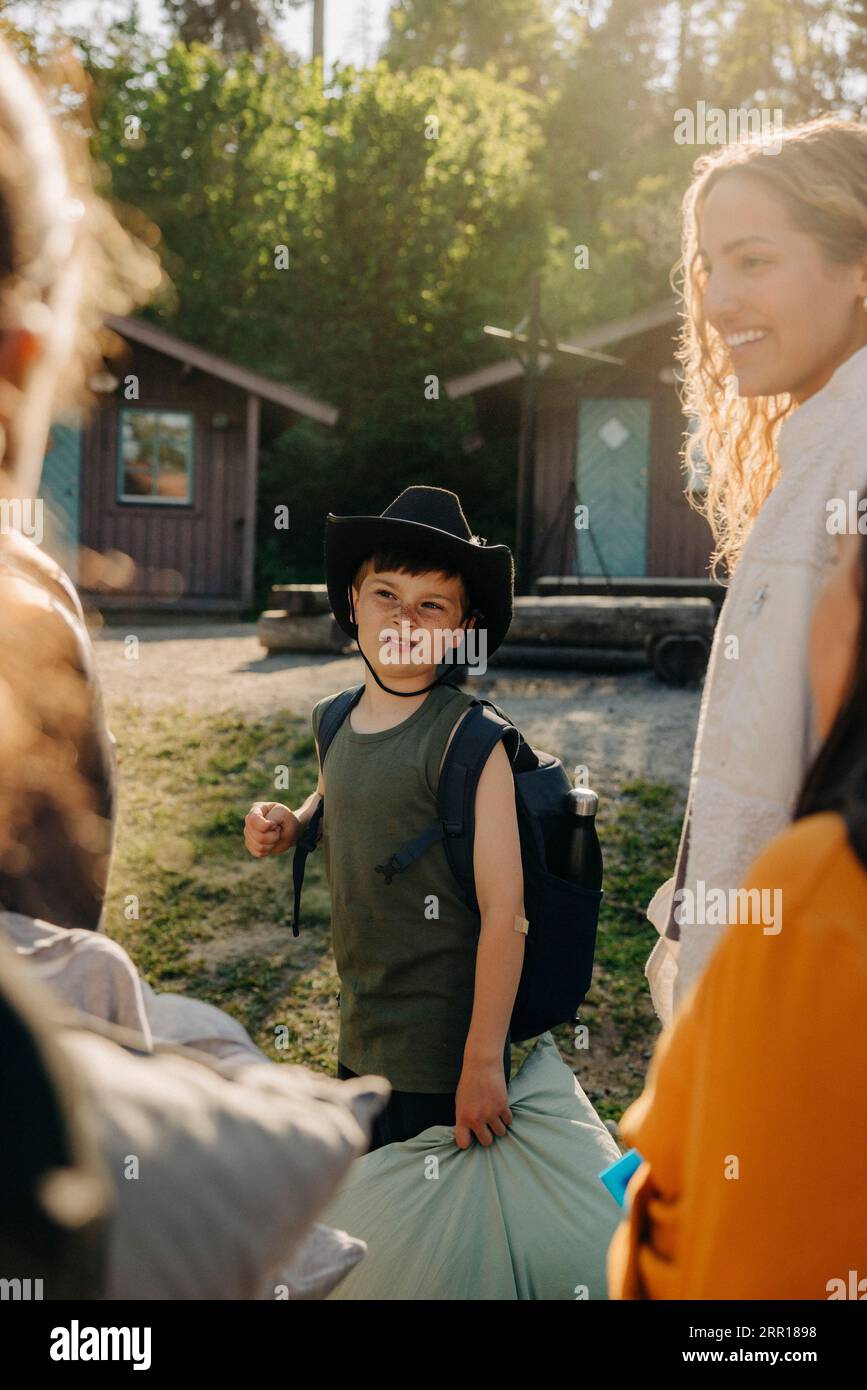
column 678, row 539
column 554, row 494
column 201, row 542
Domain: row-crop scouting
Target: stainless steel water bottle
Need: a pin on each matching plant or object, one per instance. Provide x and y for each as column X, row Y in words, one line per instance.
column 582, row 860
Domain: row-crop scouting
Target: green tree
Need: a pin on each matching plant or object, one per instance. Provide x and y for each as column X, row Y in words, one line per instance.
column 783, row 53
column 355, row 238
column 518, row 39
column 352, row 240
column 231, row 25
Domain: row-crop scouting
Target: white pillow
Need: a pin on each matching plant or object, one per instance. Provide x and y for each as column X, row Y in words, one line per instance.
column 218, row 1181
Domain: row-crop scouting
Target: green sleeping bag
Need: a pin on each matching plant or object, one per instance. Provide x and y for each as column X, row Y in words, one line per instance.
column 525, row 1218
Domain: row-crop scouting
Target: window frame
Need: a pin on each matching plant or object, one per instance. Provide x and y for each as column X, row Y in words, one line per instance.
column 127, row 499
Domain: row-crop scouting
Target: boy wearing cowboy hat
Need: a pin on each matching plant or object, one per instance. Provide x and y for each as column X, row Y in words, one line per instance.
column 426, row 995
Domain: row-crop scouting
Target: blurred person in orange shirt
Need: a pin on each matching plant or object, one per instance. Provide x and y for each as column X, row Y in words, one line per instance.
column 753, row 1122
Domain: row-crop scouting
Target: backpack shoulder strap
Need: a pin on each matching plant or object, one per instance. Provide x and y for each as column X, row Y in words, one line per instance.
column 332, row 717
column 475, row 736
column 334, row 714
column 475, row 739
column 522, row 756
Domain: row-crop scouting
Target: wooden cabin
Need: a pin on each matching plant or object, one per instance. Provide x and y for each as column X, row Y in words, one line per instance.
column 161, row 477
column 608, row 438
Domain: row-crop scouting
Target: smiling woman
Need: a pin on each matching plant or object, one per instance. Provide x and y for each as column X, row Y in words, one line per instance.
column 775, row 277
column 775, row 354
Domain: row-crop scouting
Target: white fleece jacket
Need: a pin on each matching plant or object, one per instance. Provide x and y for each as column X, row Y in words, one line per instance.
column 756, row 733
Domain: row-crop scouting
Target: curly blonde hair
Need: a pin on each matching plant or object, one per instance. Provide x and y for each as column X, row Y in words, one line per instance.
column 820, row 175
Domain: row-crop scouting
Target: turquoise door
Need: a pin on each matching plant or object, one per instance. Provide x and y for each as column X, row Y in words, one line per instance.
column 61, row 490
column 611, row 479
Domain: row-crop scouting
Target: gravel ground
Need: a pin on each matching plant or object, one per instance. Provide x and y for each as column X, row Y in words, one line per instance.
column 618, row 726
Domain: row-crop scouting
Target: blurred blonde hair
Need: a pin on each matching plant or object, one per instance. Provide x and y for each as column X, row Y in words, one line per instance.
column 820, row 175
column 65, row 259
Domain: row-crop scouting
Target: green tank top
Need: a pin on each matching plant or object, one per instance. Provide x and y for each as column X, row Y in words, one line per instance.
column 405, row 951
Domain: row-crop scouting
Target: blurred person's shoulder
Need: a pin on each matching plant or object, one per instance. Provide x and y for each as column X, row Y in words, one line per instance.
column 39, row 602
column 791, row 963
column 21, row 556
column 822, row 882
column 34, row 622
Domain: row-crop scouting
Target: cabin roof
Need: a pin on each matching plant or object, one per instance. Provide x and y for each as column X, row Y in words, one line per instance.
column 150, row 336
column 600, row 336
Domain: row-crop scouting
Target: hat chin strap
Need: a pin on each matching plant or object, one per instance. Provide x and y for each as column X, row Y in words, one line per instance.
column 404, row 694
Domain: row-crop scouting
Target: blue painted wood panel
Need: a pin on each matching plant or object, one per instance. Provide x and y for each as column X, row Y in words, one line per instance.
column 61, row 489
column 612, row 479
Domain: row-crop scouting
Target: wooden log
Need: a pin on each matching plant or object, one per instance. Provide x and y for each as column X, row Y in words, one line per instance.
column 607, row 660
column 301, row 621
column 679, row 658
column 286, row 632
column 300, row 600
column 605, row 622
column 646, row 586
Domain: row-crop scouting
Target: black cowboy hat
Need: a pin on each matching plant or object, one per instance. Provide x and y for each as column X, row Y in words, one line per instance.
column 429, row 523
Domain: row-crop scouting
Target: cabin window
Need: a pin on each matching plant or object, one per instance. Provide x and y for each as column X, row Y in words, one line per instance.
column 156, row 457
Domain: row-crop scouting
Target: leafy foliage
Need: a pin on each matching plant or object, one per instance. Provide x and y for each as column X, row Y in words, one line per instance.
column 351, row 240
column 410, row 202
column 231, row 25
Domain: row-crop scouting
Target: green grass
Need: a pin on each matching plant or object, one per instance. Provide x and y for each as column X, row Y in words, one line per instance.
column 211, row 921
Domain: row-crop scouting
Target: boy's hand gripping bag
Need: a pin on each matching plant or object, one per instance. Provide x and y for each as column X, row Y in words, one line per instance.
column 525, row 1218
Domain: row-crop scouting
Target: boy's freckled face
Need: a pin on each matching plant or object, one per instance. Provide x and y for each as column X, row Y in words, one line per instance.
column 429, row 603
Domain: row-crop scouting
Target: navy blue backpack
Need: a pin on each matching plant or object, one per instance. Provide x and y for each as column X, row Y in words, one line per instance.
column 560, row 943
